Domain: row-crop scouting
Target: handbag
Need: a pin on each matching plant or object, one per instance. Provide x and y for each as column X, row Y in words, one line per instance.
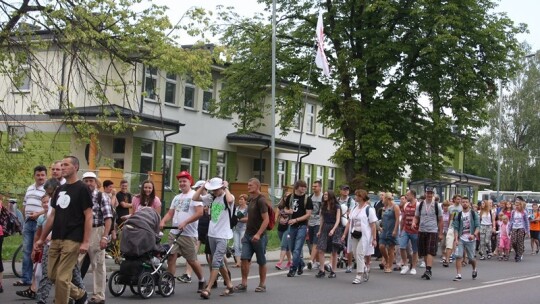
column 356, row 234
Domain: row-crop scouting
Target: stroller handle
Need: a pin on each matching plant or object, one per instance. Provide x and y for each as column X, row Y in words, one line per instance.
column 170, row 227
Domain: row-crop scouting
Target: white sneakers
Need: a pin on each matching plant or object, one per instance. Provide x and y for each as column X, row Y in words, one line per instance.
column 405, row 269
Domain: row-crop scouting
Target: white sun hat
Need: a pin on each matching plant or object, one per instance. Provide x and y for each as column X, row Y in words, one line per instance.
column 214, row 183
column 198, row 184
column 89, row 175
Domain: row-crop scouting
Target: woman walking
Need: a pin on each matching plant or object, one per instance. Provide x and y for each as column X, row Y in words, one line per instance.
column 330, row 227
column 388, row 236
column 519, row 227
column 240, row 228
column 487, row 227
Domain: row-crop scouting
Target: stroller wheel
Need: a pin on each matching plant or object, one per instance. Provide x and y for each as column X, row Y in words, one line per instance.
column 134, row 289
column 116, row 288
column 146, row 285
column 166, row 283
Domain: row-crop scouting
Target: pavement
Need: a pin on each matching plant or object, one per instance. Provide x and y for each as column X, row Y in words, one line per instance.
column 271, row 256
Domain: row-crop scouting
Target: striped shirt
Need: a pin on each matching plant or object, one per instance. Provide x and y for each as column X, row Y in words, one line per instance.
column 100, row 210
column 32, row 199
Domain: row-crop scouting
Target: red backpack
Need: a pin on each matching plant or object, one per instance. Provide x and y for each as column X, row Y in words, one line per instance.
column 271, row 217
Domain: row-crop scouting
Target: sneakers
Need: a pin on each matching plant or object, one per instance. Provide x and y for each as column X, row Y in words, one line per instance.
column 413, row 271
column 320, row 275
column 279, row 266
column 201, row 286
column 300, row 270
column 288, row 266
column 482, row 257
column 474, row 274
column 404, row 269
column 348, row 270
column 332, row 275
column 427, row 275
column 309, row 265
column 422, row 264
column 83, row 299
column 184, row 278
column 358, row 279
column 445, row 263
column 457, row 278
column 291, row 273
column 316, row 266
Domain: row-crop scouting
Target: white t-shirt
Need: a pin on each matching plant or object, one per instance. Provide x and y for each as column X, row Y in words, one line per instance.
column 32, row 199
column 360, row 221
column 184, row 208
column 466, row 217
column 220, row 226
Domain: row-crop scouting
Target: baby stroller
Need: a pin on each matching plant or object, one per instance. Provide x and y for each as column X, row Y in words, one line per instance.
column 145, row 261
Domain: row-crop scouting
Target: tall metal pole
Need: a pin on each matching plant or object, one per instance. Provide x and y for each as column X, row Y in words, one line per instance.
column 273, row 139
column 499, row 138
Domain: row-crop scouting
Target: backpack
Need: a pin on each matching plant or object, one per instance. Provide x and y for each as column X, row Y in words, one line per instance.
column 436, row 211
column 271, row 217
column 233, row 219
column 10, row 223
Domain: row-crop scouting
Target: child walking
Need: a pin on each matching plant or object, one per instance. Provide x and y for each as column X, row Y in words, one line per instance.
column 504, row 238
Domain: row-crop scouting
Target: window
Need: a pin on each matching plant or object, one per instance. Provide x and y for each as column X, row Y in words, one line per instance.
column 23, row 79
column 281, row 169
column 169, row 152
column 207, row 97
column 331, row 178
column 170, row 89
column 150, row 83
column 15, row 137
column 147, row 156
column 310, row 118
column 307, row 175
column 294, row 172
column 221, row 164
column 323, row 131
column 189, row 93
column 204, row 164
column 119, row 148
column 186, row 159
column 259, row 167
column 320, row 174
column 296, row 122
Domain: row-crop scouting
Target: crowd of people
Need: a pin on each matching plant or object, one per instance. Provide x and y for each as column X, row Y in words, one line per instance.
column 67, row 219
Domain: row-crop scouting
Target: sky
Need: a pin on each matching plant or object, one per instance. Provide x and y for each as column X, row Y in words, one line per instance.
column 521, row 11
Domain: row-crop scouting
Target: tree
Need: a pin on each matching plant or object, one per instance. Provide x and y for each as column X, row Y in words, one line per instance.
column 406, row 77
column 520, row 126
column 82, row 36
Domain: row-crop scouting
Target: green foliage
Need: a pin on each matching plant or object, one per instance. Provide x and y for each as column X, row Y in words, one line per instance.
column 520, row 126
column 410, row 79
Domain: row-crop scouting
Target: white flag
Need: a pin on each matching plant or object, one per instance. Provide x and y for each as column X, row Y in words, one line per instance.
column 320, row 59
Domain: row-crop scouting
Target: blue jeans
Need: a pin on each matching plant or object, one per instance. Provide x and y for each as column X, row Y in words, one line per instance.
column 296, row 245
column 29, row 231
column 238, row 234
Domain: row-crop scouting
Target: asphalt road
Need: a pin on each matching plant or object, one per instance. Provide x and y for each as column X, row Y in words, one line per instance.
column 497, row 282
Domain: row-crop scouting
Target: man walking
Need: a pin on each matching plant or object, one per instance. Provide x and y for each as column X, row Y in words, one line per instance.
column 255, row 237
column 299, row 206
column 466, row 231
column 71, row 224
column 408, row 233
column 428, row 219
column 101, row 225
column 32, row 209
column 314, row 223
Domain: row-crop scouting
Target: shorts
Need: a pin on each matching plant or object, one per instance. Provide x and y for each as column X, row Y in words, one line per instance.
column 185, row 247
column 535, row 235
column 219, row 249
column 312, row 235
column 449, row 239
column 427, row 243
column 258, row 248
column 468, row 247
column 405, row 238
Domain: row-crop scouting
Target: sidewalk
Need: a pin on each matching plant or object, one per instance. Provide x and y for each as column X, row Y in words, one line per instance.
column 271, row 256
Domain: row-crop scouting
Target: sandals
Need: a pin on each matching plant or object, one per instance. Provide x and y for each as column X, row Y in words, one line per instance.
column 21, row 283
column 260, row 288
column 27, row 293
column 227, row 292
column 357, row 280
column 205, row 294
column 240, row 288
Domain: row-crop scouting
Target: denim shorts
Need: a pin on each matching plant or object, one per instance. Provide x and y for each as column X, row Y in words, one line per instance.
column 468, row 247
column 258, row 248
column 405, row 238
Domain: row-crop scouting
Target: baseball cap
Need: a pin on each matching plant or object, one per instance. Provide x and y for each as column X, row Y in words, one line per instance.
column 344, row 187
column 89, row 175
column 198, row 184
column 429, row 189
column 185, row 174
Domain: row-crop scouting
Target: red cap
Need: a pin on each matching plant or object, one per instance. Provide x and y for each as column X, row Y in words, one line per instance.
column 185, row 174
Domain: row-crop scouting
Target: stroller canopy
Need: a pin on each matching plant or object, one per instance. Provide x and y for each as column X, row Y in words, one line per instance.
column 140, row 233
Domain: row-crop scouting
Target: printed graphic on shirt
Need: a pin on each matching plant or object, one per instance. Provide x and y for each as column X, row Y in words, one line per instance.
column 183, row 205
column 63, row 200
column 217, row 208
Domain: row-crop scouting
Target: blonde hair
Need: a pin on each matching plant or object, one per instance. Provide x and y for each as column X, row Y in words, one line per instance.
column 446, row 203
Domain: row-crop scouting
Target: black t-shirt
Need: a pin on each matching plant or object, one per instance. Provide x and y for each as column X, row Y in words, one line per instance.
column 296, row 203
column 69, row 203
column 121, row 211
